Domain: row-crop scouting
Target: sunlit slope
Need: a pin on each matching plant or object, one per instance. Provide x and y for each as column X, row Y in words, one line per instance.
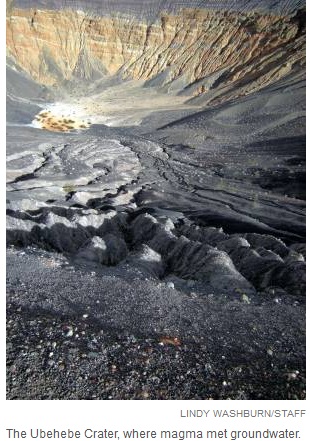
column 215, row 54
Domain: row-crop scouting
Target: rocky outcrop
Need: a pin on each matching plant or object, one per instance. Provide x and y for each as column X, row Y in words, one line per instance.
column 223, row 53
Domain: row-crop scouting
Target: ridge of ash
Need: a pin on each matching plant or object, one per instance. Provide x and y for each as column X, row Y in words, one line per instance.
column 226, row 263
column 156, row 199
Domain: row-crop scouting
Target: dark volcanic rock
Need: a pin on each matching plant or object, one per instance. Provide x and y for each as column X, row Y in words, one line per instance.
column 156, row 200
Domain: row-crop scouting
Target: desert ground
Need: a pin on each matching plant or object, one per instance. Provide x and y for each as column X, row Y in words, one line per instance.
column 156, row 200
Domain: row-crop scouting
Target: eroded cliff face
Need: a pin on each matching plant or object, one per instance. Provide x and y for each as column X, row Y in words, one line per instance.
column 227, row 54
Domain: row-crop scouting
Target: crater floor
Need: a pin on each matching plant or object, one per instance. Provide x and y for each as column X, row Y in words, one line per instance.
column 156, row 229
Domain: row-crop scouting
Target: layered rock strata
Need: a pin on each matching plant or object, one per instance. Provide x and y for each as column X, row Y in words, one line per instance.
column 193, row 52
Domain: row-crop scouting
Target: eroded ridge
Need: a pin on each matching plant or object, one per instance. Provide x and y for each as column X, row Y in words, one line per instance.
column 156, row 227
column 218, row 54
column 235, row 264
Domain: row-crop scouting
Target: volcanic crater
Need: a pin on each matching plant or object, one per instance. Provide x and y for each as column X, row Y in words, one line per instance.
column 156, row 199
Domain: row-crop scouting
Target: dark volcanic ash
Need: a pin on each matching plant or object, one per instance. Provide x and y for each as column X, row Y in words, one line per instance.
column 156, row 200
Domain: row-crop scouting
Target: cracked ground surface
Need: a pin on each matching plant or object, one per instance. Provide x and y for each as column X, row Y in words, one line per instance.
column 159, row 260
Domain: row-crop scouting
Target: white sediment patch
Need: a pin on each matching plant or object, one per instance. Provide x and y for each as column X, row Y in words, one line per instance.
column 36, row 124
column 62, row 117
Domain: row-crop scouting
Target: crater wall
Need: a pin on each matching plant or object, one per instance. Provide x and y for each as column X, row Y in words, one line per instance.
column 193, row 52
